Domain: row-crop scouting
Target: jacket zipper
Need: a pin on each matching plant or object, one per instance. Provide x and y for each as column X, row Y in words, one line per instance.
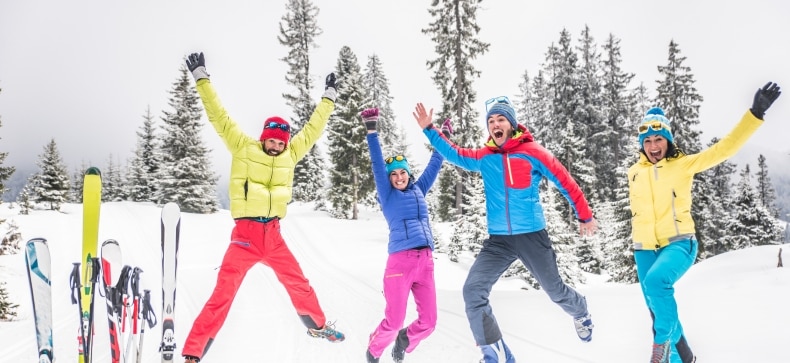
column 507, row 192
column 675, row 214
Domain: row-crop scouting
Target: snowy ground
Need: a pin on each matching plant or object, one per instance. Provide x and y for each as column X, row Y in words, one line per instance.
column 734, row 307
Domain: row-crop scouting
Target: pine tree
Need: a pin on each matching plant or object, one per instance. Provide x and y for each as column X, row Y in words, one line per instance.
column 454, row 32
column 7, row 308
column 77, row 181
column 680, row 100
column 714, row 206
column 351, row 181
column 377, row 94
column 615, row 138
column 12, row 240
column 25, row 198
column 5, row 171
column 145, row 162
column 185, row 175
column 298, row 31
column 51, row 183
column 752, row 224
column 562, row 235
column 470, row 228
column 765, row 190
column 615, row 220
column 113, row 186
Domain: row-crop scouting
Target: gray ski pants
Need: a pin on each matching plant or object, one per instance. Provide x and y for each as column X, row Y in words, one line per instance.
column 499, row 251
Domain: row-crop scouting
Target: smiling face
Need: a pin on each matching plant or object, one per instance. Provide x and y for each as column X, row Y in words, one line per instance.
column 655, row 147
column 399, row 178
column 273, row 147
column 499, row 128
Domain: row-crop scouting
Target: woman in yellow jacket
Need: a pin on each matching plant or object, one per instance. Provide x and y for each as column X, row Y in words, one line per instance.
column 662, row 229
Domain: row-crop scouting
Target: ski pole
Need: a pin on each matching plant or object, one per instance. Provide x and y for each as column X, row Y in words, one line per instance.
column 149, row 317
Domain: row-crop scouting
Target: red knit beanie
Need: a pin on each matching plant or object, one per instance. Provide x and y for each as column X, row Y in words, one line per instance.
column 276, row 128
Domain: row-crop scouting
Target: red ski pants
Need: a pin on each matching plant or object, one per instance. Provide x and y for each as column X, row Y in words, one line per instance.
column 252, row 242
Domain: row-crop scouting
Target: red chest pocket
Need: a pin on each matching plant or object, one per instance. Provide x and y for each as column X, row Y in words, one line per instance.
column 518, row 173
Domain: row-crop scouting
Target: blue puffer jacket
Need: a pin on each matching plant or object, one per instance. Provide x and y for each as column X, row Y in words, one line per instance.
column 405, row 210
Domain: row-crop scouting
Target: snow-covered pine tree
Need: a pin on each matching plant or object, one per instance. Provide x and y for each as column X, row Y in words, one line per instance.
column 7, row 308
column 11, row 242
column 615, row 223
column 765, row 189
column 616, row 137
column 5, row 171
column 471, row 227
column 454, row 32
column 350, row 179
column 591, row 115
column 533, row 106
column 77, row 181
column 51, row 183
column 25, row 198
column 714, row 206
column 141, row 186
column 680, row 100
column 298, row 31
column 752, row 224
column 185, row 175
column 377, row 94
column 113, row 189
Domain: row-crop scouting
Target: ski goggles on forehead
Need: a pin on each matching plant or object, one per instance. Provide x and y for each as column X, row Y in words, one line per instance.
column 654, row 125
column 495, row 100
column 275, row 125
column 390, row 159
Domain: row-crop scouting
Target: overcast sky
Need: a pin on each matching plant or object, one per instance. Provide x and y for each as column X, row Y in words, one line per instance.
column 85, row 71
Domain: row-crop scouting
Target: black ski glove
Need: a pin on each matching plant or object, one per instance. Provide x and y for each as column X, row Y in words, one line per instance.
column 764, row 98
column 197, row 65
column 330, row 90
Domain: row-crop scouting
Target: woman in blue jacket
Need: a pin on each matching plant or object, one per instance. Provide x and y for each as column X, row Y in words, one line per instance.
column 410, row 262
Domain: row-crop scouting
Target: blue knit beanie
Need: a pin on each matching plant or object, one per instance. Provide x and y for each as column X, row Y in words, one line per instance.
column 504, row 109
column 398, row 164
column 652, row 115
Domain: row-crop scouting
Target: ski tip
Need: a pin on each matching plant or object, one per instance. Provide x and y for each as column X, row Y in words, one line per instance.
column 171, row 206
column 93, row 171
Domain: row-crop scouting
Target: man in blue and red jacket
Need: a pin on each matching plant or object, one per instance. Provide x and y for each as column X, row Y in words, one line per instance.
column 512, row 165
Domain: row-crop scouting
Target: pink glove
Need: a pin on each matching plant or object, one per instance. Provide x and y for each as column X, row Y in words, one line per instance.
column 447, row 128
column 370, row 116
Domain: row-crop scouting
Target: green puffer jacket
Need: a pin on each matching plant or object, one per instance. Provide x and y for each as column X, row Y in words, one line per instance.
column 261, row 185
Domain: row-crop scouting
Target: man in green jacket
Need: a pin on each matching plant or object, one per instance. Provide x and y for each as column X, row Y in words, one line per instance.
column 261, row 181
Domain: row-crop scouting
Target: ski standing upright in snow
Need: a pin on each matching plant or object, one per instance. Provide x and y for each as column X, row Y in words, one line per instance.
column 111, row 264
column 171, row 225
column 39, row 275
column 83, row 281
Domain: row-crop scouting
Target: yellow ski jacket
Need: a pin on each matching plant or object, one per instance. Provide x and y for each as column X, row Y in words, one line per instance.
column 260, row 184
column 660, row 194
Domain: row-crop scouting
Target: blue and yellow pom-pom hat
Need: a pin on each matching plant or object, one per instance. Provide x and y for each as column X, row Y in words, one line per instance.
column 655, row 123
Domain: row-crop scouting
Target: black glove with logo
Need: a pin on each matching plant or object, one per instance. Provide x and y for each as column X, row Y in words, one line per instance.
column 330, row 89
column 764, row 98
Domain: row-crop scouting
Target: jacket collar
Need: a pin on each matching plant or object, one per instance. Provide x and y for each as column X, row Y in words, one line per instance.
column 521, row 136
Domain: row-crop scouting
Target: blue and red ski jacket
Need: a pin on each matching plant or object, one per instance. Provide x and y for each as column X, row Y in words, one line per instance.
column 511, row 175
